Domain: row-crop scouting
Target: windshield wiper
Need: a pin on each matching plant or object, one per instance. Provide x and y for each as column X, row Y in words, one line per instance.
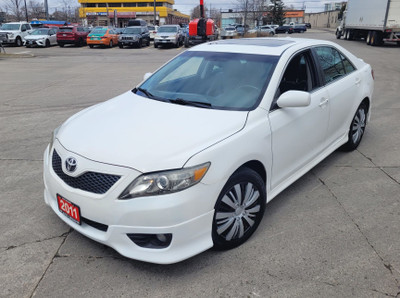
column 145, row 92
column 185, row 102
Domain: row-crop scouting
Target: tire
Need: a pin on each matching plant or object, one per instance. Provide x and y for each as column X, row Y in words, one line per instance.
column 177, row 44
column 61, row 45
column 148, row 42
column 239, row 209
column 357, row 128
column 155, row 45
column 140, row 42
column 91, row 46
column 47, row 44
column 346, row 34
column 111, row 44
column 18, row 41
column 338, row 35
column 121, row 46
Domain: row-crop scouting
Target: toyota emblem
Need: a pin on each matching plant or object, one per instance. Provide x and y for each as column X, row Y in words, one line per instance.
column 70, row 164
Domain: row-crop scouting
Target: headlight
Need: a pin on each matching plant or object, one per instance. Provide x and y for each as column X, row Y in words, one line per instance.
column 165, row 182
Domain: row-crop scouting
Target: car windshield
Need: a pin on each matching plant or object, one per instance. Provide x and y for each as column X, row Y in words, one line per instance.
column 66, row 29
column 132, row 31
column 99, row 31
column 40, row 32
column 10, row 27
column 151, row 27
column 213, row 79
column 230, row 29
column 167, row 29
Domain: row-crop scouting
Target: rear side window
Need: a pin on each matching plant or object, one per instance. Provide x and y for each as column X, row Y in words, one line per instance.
column 334, row 65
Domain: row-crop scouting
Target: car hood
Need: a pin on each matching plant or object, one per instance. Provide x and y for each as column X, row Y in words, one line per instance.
column 35, row 37
column 144, row 134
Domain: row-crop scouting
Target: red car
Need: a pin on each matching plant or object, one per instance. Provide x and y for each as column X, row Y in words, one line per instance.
column 71, row 35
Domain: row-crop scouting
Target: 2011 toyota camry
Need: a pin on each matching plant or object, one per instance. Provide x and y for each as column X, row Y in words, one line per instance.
column 189, row 158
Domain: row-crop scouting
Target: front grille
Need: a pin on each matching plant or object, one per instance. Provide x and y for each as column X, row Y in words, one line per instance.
column 127, row 38
column 94, row 182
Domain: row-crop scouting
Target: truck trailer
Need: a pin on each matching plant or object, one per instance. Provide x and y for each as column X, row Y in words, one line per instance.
column 375, row 21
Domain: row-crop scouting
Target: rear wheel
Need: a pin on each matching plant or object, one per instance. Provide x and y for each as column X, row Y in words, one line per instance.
column 368, row 40
column 338, row 34
column 155, row 45
column 139, row 45
column 111, row 44
column 120, row 45
column 91, row 46
column 239, row 209
column 148, row 42
column 357, row 128
column 61, row 45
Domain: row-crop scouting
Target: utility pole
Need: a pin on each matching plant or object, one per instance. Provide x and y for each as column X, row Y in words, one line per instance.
column 26, row 12
column 155, row 14
column 46, row 9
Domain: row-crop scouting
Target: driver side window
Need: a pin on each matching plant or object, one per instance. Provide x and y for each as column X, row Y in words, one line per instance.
column 299, row 75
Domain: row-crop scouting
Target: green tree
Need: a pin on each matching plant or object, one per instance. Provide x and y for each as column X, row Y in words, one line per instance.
column 277, row 13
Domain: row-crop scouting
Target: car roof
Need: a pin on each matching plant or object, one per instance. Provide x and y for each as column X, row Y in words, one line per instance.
column 263, row 46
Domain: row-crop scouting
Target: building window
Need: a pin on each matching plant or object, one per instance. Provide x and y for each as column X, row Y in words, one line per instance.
column 142, row 4
column 101, row 5
column 159, row 3
column 114, row 5
column 130, row 4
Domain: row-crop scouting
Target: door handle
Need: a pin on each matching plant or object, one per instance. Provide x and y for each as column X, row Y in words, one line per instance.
column 324, row 101
column 358, row 81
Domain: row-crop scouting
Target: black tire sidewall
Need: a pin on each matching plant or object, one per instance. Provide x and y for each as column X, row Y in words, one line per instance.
column 240, row 176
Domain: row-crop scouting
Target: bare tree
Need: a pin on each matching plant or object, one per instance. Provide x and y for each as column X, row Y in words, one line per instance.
column 35, row 10
column 14, row 8
column 195, row 14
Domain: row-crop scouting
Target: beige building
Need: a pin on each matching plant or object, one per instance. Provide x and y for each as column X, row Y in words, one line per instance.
column 326, row 19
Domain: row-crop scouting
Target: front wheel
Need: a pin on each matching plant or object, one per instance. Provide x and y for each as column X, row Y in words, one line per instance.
column 239, row 209
column 357, row 128
column 47, row 44
column 18, row 41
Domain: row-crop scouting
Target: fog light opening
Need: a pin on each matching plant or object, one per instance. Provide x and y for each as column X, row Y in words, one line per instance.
column 155, row 241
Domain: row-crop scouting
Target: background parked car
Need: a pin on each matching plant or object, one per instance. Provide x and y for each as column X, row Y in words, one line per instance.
column 152, row 30
column 134, row 36
column 300, row 28
column 102, row 36
column 284, row 29
column 75, row 35
column 267, row 29
column 42, row 37
column 168, row 35
column 14, row 33
column 228, row 32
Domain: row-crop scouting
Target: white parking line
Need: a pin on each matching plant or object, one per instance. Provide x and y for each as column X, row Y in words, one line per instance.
column 25, row 52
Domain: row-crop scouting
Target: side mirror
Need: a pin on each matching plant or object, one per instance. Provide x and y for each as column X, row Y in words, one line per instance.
column 294, row 99
column 147, row 75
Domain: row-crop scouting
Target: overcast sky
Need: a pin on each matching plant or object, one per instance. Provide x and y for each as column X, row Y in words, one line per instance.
column 185, row 6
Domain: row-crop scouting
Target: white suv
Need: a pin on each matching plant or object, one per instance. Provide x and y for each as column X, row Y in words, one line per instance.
column 14, row 33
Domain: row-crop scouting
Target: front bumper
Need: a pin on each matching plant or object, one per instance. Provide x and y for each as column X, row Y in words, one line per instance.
column 165, row 41
column 187, row 215
column 40, row 43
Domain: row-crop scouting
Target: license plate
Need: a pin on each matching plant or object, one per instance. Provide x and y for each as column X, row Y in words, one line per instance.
column 164, row 41
column 95, row 38
column 71, row 210
column 64, row 34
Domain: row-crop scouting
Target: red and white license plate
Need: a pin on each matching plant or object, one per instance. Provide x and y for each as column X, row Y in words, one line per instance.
column 69, row 209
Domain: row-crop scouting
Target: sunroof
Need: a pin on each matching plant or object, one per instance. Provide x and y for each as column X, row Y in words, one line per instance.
column 257, row 42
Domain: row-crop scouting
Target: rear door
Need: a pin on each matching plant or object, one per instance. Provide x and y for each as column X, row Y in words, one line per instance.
column 343, row 84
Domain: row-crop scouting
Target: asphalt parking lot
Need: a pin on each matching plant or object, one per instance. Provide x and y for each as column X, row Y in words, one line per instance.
column 334, row 233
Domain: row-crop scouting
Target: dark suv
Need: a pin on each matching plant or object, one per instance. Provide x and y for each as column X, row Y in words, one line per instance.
column 72, row 35
column 134, row 36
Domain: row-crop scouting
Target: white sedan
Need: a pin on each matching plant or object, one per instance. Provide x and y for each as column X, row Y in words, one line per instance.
column 189, row 158
column 42, row 37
